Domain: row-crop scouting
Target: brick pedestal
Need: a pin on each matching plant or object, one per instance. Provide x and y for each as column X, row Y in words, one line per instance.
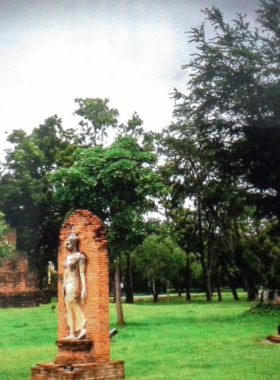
column 74, row 351
column 89, row 358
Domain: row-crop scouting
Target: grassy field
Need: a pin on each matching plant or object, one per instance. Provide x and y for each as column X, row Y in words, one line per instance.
column 171, row 340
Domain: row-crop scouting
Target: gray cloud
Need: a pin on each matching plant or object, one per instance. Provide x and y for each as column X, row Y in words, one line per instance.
column 52, row 51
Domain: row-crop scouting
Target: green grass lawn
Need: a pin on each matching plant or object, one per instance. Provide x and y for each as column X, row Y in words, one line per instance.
column 170, row 340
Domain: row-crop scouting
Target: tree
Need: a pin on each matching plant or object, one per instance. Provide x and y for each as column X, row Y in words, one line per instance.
column 97, row 117
column 226, row 133
column 233, row 98
column 194, row 177
column 133, row 127
column 26, row 194
column 6, row 249
column 159, row 260
column 118, row 184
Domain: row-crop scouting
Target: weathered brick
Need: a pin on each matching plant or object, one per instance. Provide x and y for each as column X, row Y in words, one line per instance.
column 92, row 243
column 18, row 287
column 94, row 363
column 89, row 371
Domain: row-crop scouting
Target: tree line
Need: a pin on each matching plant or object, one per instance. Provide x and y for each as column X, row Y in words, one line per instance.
column 213, row 174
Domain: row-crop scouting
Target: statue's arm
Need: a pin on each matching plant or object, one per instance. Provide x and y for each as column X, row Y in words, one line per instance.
column 82, row 264
column 51, row 268
column 53, row 271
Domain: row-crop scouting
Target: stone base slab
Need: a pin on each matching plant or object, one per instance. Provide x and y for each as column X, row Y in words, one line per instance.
column 113, row 370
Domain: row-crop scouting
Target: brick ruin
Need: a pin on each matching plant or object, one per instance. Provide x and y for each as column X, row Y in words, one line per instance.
column 18, row 287
column 88, row 358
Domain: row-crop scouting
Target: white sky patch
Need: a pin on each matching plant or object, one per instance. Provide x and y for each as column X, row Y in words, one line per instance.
column 131, row 52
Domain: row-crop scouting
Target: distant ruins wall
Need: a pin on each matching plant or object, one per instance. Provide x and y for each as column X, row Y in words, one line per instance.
column 18, row 287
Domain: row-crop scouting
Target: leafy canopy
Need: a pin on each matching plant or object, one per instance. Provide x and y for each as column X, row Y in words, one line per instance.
column 117, row 183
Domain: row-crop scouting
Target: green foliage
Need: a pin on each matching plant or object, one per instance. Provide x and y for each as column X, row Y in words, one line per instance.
column 221, row 153
column 117, row 183
column 158, row 258
column 219, row 159
column 133, row 127
column 26, row 193
column 232, row 105
column 260, row 247
column 97, row 118
column 6, row 249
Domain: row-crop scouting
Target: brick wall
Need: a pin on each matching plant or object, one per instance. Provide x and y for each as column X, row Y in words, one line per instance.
column 18, row 287
column 14, row 276
column 18, row 264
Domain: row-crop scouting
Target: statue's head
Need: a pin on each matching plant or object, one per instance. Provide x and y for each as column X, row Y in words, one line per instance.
column 72, row 241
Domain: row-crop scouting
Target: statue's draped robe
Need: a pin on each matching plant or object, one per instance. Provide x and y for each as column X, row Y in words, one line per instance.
column 72, row 290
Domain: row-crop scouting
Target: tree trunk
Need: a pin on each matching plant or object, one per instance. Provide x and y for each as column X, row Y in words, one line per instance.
column 231, row 284
column 251, row 290
column 208, row 285
column 188, row 275
column 167, row 289
column 114, row 288
column 218, row 284
column 207, row 279
column 128, row 281
column 220, row 297
column 234, row 293
column 251, row 296
column 120, row 317
column 155, row 292
column 206, row 271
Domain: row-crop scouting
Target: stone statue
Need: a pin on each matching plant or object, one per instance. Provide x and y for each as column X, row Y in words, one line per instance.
column 74, row 287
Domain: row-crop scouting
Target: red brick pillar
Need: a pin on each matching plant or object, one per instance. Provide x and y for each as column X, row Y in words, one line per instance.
column 89, row 357
column 92, row 243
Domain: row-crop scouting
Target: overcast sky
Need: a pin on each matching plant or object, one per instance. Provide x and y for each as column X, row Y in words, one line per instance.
column 129, row 51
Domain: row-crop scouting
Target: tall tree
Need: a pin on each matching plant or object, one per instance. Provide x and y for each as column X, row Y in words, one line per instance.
column 195, row 179
column 97, row 118
column 227, row 131
column 117, row 183
column 133, row 127
column 26, row 194
column 159, row 260
column 233, row 97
